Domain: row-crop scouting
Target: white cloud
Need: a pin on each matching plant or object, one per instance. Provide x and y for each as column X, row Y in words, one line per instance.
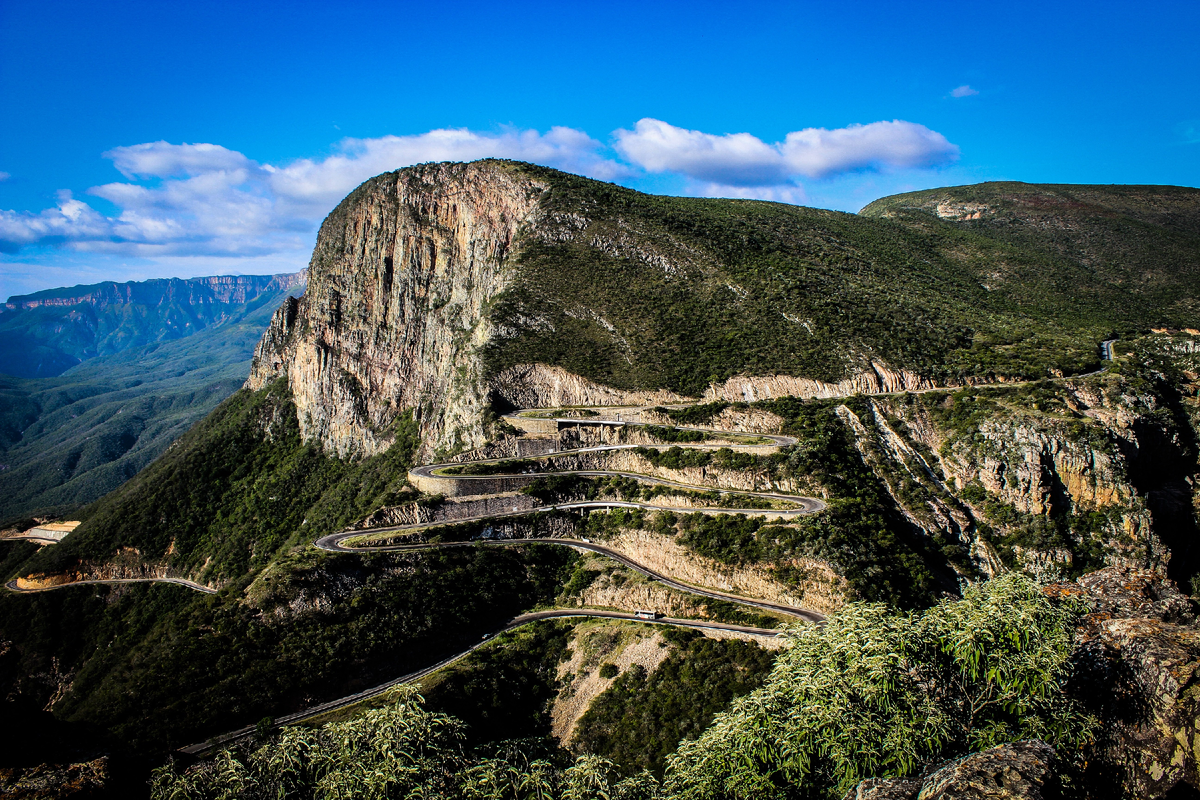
column 207, row 201
column 963, row 91
column 820, row 153
column 204, row 199
column 786, row 193
column 70, row 220
column 741, row 159
column 4, row 176
column 166, row 160
column 734, row 158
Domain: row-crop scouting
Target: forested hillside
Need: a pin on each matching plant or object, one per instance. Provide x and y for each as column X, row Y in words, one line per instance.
column 66, row 441
column 901, row 425
column 45, row 333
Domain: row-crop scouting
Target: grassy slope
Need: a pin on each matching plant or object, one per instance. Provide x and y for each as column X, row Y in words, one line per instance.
column 235, row 490
column 69, row 440
column 699, row 290
column 1128, row 253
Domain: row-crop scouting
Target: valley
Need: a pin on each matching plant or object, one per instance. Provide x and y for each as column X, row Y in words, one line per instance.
column 515, row 410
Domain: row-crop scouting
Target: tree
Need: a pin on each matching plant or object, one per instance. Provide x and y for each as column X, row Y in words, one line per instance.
column 876, row 693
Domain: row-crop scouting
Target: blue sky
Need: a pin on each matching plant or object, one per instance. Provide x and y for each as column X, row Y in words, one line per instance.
column 155, row 139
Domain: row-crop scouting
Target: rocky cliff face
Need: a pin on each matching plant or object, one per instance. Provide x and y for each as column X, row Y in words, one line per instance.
column 394, row 313
column 878, row 378
column 1017, row 771
column 1138, row 657
column 445, row 288
column 1054, row 478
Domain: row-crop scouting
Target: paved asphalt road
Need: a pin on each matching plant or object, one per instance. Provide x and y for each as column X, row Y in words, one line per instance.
column 12, row 585
column 204, row 748
column 809, row 505
column 333, row 544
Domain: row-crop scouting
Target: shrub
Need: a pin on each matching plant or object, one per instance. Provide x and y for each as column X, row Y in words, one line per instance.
column 876, row 693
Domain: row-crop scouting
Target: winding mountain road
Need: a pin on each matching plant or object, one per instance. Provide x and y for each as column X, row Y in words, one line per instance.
column 336, row 543
column 333, row 544
column 199, row 587
column 233, row 737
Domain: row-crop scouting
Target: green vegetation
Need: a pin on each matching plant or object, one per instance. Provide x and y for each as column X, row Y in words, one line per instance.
column 399, row 751
column 564, row 487
column 722, row 458
column 982, row 423
column 640, row 720
column 67, row 441
column 862, row 532
column 507, row 467
column 503, row 691
column 238, row 488
column 161, row 666
column 651, row 292
column 45, row 341
column 701, row 414
column 1124, row 255
column 763, row 288
column 881, row 694
column 672, row 435
column 556, row 488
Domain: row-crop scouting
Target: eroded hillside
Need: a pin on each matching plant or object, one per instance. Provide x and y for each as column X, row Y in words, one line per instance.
column 446, row 288
column 749, row 413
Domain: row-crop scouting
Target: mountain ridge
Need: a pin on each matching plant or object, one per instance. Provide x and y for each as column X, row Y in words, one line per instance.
column 223, row 288
column 46, row 333
column 957, row 419
column 639, row 293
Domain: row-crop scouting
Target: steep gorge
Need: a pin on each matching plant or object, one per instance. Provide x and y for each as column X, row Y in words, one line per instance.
column 423, row 306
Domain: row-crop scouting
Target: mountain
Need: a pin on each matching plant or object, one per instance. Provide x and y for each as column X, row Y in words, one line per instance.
column 447, row 287
column 46, row 333
column 992, row 480
column 67, row 440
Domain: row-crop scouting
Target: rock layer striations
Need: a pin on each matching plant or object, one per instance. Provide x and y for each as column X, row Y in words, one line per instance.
column 394, row 313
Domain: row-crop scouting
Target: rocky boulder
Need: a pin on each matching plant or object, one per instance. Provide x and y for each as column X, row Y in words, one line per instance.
column 1016, row 771
column 1138, row 661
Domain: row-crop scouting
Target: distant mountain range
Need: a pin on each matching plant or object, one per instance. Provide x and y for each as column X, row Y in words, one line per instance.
column 988, row 391
column 102, row 378
column 46, row 333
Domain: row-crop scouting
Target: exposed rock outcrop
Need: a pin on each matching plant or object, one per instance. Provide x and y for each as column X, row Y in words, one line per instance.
column 1009, row 771
column 1016, row 771
column 879, row 378
column 1140, row 649
column 125, row 565
column 1062, row 477
column 821, row 590
column 82, row 781
column 540, row 386
column 393, row 313
column 580, row 674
